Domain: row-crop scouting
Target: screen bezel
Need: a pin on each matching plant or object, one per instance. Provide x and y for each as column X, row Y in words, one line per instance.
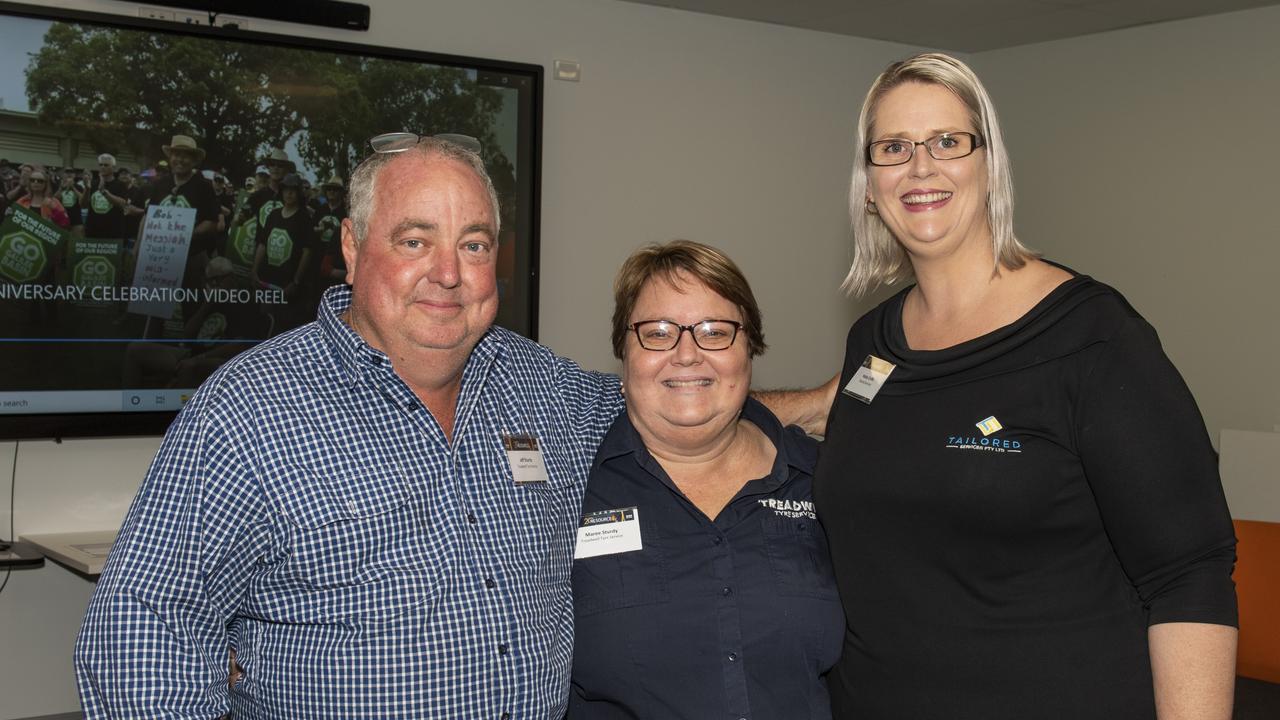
column 124, row 423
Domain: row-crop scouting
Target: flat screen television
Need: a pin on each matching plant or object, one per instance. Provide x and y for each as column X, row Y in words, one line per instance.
column 119, row 297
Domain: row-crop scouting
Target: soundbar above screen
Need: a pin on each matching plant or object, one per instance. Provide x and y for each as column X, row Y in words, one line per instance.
column 144, row 239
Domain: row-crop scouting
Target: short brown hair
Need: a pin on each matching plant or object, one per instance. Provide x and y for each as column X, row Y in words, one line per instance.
column 703, row 263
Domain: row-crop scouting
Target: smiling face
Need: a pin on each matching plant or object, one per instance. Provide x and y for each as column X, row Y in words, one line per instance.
column 684, row 392
column 931, row 206
column 424, row 275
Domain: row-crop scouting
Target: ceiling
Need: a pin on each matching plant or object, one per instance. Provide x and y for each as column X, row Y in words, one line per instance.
column 962, row 25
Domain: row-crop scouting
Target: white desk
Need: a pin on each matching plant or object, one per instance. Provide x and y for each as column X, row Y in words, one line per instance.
column 82, row 551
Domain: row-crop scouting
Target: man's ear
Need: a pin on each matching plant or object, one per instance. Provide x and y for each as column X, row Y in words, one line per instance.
column 350, row 249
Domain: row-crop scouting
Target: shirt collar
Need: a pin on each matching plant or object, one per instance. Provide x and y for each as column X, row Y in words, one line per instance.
column 624, row 439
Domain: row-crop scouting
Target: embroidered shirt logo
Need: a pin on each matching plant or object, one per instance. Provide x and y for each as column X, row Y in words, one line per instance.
column 988, row 426
column 790, row 508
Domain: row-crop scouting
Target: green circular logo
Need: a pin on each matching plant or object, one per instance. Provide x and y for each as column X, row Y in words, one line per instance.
column 94, row 271
column 279, row 247
column 175, row 201
column 22, row 257
column 329, row 228
column 214, row 327
column 99, row 203
column 265, row 211
column 242, row 245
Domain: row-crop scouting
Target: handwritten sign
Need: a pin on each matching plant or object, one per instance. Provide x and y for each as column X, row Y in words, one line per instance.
column 162, row 257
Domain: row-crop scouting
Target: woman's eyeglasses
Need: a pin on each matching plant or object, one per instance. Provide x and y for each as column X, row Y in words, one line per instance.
column 664, row 335
column 947, row 146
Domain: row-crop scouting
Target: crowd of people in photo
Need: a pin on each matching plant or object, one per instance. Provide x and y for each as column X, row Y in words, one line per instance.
column 273, row 233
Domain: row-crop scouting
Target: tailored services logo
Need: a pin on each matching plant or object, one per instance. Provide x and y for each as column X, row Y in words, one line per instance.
column 988, row 426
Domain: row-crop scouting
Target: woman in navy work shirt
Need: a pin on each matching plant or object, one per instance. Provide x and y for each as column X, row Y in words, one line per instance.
column 702, row 585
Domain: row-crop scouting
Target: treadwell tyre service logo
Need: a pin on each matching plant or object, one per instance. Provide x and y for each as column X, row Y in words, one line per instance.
column 988, row 426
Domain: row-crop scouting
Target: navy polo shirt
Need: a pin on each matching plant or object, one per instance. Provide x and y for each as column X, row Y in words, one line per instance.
column 732, row 618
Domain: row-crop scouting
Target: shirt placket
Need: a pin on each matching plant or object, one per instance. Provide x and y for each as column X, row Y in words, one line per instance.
column 484, row 545
column 729, row 624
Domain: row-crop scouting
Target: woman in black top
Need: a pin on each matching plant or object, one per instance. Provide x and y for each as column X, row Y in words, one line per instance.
column 1022, row 502
column 701, row 582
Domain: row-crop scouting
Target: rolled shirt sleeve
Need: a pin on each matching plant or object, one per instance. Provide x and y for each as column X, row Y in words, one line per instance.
column 1154, row 473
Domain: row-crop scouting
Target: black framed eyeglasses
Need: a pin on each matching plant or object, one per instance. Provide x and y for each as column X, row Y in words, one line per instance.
column 947, row 146
column 662, row 335
column 395, row 142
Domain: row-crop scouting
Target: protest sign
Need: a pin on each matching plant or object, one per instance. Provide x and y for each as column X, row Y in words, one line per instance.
column 28, row 243
column 162, row 260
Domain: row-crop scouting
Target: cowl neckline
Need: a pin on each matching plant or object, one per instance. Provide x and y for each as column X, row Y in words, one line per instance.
column 993, row 353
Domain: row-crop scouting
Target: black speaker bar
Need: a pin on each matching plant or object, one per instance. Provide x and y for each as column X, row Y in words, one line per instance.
column 328, row 13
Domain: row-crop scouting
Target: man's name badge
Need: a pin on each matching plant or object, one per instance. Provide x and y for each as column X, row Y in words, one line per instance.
column 608, row 532
column 869, row 378
column 525, row 458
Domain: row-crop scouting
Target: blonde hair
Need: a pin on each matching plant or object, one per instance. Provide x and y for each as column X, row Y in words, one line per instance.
column 878, row 258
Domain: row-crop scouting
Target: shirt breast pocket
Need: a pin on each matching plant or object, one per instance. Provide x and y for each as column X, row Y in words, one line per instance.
column 799, row 557
column 622, row 580
column 353, row 546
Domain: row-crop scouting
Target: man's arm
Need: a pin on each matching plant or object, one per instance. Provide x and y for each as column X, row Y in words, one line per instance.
column 806, row 408
column 1194, row 668
column 154, row 641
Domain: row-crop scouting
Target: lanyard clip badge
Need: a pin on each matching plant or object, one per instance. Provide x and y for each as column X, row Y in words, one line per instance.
column 868, row 379
column 525, row 458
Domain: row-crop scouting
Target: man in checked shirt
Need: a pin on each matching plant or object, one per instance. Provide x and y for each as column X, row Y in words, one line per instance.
column 338, row 505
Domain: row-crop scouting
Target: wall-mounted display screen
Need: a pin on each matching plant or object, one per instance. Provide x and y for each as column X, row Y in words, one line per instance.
column 172, row 195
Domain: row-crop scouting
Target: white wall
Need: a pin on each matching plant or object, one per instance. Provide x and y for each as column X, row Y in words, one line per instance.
column 684, row 125
column 1148, row 158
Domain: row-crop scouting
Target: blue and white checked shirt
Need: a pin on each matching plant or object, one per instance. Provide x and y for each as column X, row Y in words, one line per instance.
column 306, row 509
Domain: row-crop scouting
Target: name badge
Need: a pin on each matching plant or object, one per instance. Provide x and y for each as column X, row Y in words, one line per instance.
column 525, row 458
column 869, row 378
column 608, row 532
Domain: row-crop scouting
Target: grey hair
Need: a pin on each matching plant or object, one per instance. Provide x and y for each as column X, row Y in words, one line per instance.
column 878, row 258
column 360, row 193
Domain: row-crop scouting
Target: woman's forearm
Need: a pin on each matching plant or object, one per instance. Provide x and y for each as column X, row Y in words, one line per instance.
column 1194, row 669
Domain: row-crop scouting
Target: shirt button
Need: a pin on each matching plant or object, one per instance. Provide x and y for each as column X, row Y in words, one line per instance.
column 733, row 657
column 726, row 590
column 507, row 716
column 471, row 519
column 717, row 540
column 489, row 583
column 502, row 648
